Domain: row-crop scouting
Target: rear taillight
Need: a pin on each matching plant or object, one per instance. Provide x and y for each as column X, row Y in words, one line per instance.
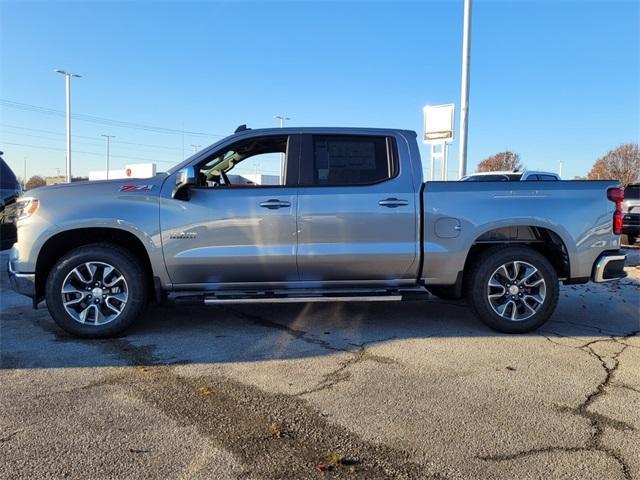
column 616, row 194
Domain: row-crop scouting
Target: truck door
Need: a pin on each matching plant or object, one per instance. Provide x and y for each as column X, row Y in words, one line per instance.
column 237, row 226
column 357, row 213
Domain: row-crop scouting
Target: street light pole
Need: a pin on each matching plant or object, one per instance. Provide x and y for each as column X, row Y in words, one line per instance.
column 108, row 137
column 282, row 119
column 195, row 147
column 464, row 88
column 560, row 169
column 67, row 77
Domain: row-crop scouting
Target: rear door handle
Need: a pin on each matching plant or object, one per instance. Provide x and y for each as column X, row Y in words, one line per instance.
column 393, row 202
column 274, row 204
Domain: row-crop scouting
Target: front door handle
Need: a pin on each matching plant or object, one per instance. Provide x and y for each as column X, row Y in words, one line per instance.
column 274, row 204
column 393, row 203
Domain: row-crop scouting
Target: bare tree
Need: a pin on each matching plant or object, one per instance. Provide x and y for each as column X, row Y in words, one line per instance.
column 622, row 164
column 35, row 182
column 501, row 161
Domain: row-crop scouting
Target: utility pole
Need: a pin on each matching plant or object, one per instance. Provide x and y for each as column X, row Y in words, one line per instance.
column 282, row 119
column 560, row 169
column 24, row 172
column 195, row 147
column 67, row 77
column 464, row 88
column 108, row 138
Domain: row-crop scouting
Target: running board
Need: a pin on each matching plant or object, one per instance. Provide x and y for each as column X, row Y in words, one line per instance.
column 301, row 299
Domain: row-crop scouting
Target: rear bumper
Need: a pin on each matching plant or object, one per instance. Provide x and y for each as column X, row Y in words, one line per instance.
column 23, row 283
column 608, row 267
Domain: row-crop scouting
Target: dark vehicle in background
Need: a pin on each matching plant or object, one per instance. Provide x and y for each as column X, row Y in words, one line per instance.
column 9, row 191
column 631, row 211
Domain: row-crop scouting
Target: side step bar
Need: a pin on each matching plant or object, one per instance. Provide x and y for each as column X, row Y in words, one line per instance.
column 300, row 299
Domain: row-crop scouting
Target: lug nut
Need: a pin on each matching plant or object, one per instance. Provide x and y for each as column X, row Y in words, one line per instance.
column 90, row 297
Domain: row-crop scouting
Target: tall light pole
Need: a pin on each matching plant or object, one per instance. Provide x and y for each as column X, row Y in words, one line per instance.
column 195, row 147
column 108, row 138
column 282, row 119
column 464, row 88
column 67, row 77
column 560, row 169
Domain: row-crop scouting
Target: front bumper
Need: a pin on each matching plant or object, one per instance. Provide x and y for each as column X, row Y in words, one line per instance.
column 608, row 267
column 631, row 224
column 23, row 283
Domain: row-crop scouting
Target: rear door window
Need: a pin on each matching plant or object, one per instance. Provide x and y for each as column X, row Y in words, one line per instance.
column 338, row 160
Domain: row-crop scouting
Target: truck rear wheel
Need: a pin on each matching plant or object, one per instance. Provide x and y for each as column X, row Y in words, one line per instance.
column 96, row 291
column 512, row 289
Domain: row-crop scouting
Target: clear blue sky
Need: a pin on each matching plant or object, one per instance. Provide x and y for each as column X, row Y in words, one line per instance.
column 550, row 80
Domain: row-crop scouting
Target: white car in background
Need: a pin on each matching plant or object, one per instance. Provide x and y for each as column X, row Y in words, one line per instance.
column 509, row 176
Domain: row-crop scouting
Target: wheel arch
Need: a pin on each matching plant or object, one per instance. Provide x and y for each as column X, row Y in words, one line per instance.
column 62, row 243
column 540, row 238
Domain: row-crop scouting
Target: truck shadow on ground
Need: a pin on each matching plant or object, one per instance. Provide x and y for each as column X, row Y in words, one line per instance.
column 174, row 334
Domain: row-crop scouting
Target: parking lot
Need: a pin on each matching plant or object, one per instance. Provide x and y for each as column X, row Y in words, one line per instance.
column 385, row 390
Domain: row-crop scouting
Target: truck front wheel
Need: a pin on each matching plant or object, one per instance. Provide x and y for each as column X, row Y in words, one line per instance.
column 513, row 289
column 96, row 290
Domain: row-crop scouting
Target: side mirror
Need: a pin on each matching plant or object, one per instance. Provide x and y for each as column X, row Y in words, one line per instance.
column 185, row 178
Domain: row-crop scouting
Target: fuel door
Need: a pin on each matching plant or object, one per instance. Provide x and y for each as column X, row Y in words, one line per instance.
column 448, row 227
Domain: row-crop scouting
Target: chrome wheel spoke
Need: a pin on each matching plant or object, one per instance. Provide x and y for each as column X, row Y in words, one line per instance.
column 68, row 288
column 106, row 271
column 114, row 281
column 110, row 306
column 534, row 283
column 505, row 272
column 80, row 276
column 74, row 301
column 528, row 275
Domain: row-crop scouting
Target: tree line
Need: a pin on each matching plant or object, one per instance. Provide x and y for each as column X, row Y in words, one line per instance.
column 621, row 163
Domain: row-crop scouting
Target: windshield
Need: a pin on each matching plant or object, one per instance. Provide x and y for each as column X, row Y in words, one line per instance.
column 632, row 192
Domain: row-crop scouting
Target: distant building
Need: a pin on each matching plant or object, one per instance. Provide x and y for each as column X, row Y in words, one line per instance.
column 61, row 179
column 255, row 179
column 135, row 170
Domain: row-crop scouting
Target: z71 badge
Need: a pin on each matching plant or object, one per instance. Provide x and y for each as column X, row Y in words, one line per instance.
column 136, row 188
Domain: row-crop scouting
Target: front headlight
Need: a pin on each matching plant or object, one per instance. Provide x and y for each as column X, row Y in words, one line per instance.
column 25, row 207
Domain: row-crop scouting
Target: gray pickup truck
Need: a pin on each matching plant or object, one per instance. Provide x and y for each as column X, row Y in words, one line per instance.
column 351, row 220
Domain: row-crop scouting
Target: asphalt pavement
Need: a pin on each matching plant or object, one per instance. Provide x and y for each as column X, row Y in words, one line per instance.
column 383, row 390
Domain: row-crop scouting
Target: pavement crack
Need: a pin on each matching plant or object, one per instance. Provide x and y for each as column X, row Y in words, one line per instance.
column 598, row 422
column 341, row 374
column 296, row 333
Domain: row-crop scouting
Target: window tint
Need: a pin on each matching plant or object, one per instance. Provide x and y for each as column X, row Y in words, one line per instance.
column 546, row 177
column 351, row 160
column 488, row 178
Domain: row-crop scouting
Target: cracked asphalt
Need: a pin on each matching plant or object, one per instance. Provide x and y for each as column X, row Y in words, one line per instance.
column 411, row 390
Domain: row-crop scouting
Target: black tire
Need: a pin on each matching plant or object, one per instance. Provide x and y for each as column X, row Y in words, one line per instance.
column 127, row 265
column 477, row 288
column 446, row 292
